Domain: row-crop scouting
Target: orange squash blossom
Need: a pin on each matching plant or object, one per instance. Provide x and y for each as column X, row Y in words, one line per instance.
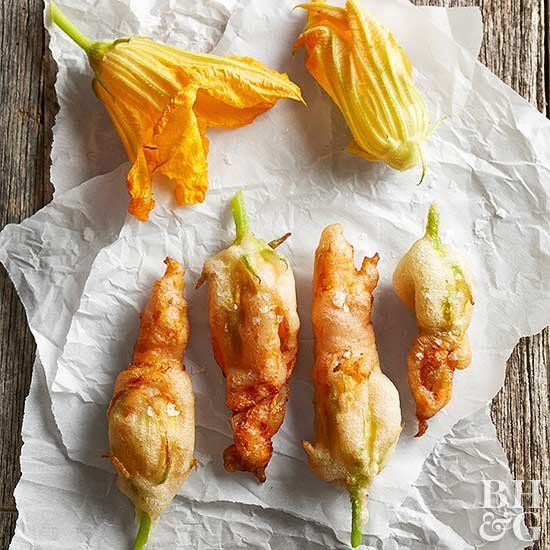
column 162, row 99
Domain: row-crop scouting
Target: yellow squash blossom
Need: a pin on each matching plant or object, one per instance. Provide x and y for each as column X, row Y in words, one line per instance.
column 161, row 101
column 359, row 64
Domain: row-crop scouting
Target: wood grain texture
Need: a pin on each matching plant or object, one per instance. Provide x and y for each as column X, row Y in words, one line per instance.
column 516, row 47
column 24, row 139
column 521, row 414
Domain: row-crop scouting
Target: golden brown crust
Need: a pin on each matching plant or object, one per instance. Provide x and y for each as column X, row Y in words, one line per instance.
column 254, row 427
column 357, row 412
column 342, row 300
column 151, row 414
column 430, row 365
column 435, row 283
column 164, row 328
column 254, row 330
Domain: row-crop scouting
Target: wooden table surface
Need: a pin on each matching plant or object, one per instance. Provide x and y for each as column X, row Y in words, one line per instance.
column 516, row 47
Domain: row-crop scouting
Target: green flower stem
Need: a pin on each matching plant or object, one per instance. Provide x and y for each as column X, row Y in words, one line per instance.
column 239, row 215
column 58, row 17
column 143, row 532
column 432, row 228
column 356, row 523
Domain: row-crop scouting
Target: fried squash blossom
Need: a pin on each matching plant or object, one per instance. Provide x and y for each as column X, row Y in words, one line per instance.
column 435, row 283
column 357, row 411
column 254, row 328
column 151, row 416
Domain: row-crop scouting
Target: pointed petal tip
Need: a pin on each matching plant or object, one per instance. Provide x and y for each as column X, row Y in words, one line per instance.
column 422, row 427
column 140, row 208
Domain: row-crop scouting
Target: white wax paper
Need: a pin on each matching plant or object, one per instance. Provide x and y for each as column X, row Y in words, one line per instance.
column 65, row 505
column 84, row 271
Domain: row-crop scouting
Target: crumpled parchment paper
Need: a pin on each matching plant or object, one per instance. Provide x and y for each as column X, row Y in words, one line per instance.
column 84, row 270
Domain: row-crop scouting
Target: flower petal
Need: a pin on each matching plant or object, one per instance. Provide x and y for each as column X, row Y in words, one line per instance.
column 182, row 147
column 246, row 90
column 358, row 63
column 215, row 112
column 139, row 187
column 161, row 101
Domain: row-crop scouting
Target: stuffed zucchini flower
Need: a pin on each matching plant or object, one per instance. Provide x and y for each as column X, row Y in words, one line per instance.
column 254, row 328
column 356, row 60
column 162, row 99
column 357, row 412
column 435, row 283
column 151, row 416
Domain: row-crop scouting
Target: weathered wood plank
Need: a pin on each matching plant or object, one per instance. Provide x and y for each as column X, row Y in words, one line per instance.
column 515, row 42
column 24, row 189
column 516, row 47
column 7, row 527
column 522, row 417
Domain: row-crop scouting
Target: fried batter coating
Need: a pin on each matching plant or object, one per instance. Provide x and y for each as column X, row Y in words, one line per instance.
column 357, row 412
column 254, row 328
column 152, row 413
column 435, row 283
